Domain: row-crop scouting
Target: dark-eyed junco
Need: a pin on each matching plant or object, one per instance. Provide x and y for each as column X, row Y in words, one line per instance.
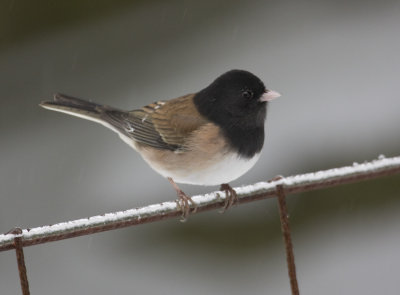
column 206, row 138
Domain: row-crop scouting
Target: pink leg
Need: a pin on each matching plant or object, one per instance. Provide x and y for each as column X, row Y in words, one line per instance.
column 183, row 201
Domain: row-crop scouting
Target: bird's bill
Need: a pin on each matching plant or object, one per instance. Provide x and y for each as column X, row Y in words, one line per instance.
column 269, row 95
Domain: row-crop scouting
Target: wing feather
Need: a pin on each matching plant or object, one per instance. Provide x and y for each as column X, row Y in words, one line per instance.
column 162, row 125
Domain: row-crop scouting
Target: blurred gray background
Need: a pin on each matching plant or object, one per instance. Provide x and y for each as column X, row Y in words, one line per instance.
column 337, row 65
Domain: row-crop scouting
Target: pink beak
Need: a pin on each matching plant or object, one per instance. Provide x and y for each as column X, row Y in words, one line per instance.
column 269, row 95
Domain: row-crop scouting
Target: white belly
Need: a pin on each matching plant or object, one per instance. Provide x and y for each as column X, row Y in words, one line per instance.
column 226, row 170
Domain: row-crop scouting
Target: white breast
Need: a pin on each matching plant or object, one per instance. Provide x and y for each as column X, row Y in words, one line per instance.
column 226, row 170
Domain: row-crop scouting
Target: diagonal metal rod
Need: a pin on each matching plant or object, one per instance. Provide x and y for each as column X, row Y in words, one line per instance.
column 283, row 213
column 263, row 190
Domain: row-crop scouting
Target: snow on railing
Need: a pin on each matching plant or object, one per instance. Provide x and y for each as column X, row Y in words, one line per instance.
column 382, row 166
column 262, row 190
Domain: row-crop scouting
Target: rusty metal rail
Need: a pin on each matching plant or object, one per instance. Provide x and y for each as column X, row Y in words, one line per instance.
column 280, row 187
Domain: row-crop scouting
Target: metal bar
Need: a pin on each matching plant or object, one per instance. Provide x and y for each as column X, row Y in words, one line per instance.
column 21, row 261
column 283, row 213
column 293, row 184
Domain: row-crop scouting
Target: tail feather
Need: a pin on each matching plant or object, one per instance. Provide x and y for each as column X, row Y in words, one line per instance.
column 84, row 109
column 73, row 106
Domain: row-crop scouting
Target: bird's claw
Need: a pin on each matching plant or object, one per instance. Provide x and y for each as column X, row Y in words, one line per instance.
column 231, row 197
column 183, row 203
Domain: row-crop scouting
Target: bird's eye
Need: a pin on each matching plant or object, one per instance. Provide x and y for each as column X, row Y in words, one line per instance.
column 247, row 94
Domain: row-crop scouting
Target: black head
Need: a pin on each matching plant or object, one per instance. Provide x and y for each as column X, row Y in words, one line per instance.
column 234, row 96
column 237, row 102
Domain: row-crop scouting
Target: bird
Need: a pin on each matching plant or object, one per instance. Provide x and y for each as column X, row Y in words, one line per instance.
column 209, row 137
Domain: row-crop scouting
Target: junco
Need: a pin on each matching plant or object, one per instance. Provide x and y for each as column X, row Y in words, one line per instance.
column 206, row 138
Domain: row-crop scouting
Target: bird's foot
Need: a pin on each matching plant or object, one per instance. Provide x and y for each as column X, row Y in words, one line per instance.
column 184, row 202
column 231, row 196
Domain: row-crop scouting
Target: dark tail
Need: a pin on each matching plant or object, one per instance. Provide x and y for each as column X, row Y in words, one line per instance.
column 108, row 116
column 74, row 106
